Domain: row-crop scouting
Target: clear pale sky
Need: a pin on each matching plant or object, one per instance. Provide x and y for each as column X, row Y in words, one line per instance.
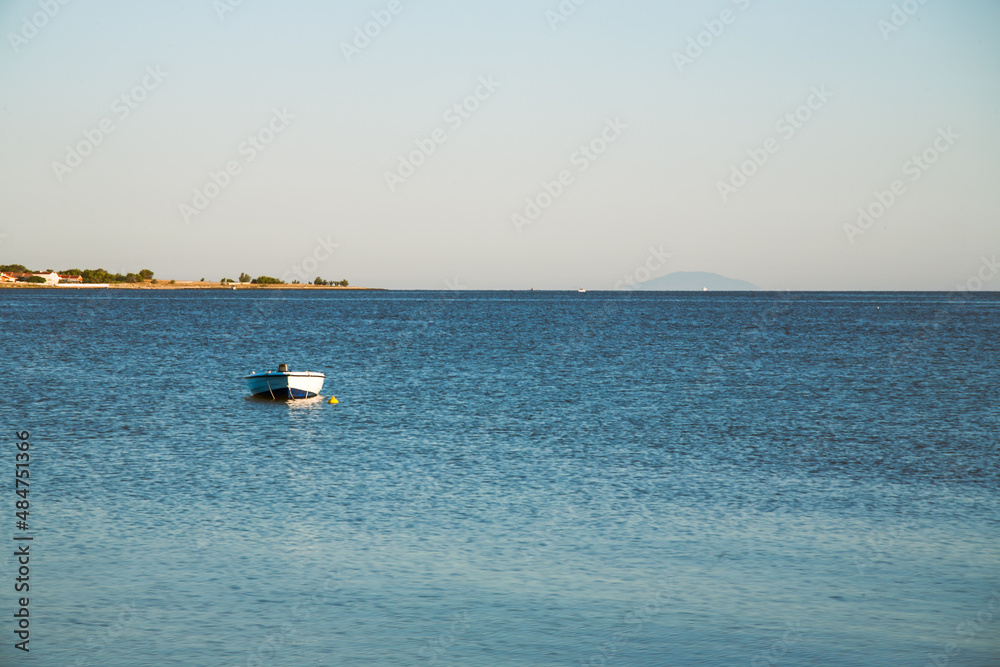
column 678, row 130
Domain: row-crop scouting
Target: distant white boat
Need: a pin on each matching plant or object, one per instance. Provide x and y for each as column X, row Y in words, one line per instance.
column 582, row 291
column 285, row 385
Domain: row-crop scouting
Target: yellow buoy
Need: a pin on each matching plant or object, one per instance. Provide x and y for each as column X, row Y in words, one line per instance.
column 333, row 399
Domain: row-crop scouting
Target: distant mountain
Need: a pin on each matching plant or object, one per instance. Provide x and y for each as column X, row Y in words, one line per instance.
column 696, row 281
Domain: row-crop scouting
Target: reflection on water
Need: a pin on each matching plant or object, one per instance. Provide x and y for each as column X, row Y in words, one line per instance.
column 296, row 403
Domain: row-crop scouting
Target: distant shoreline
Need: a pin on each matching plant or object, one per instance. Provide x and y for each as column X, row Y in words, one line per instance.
column 180, row 284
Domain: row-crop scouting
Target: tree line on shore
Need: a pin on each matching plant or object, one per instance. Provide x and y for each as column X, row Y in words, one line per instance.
column 100, row 276
column 268, row 280
column 89, row 276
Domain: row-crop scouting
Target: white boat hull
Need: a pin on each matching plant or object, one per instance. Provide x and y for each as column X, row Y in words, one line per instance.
column 285, row 386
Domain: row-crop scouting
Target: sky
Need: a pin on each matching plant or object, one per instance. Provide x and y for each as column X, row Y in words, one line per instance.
column 799, row 145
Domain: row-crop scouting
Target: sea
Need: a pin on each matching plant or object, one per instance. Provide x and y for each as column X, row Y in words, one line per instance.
column 508, row 478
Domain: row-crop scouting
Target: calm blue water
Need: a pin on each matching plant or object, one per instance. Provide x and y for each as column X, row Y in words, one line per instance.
column 509, row 479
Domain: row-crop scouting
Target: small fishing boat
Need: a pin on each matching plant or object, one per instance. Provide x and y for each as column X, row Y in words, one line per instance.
column 284, row 384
